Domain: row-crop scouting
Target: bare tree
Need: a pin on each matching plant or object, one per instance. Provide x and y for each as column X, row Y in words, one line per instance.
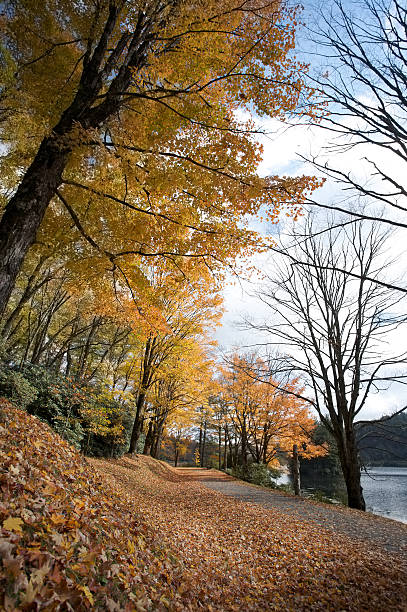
column 333, row 321
column 362, row 77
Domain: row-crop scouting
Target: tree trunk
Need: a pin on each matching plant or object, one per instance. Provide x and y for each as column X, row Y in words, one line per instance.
column 296, row 471
column 219, row 446
column 145, row 383
column 86, row 349
column 149, row 439
column 243, row 450
column 348, row 455
column 156, row 448
column 225, row 453
column 138, row 423
column 25, row 211
column 200, row 444
column 31, row 287
column 203, row 445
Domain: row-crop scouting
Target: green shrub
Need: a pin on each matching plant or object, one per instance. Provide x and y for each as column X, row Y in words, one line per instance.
column 69, row 429
column 257, row 473
column 88, row 417
column 15, row 387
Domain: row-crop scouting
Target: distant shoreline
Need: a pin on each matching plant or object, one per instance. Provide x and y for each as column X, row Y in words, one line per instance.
column 394, row 464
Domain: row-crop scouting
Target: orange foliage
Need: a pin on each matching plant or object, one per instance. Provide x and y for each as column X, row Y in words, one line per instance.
column 268, row 416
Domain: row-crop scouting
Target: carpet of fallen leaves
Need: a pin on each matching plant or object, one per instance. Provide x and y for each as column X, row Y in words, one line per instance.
column 132, row 534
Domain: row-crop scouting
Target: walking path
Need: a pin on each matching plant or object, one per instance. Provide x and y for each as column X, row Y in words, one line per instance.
column 363, row 526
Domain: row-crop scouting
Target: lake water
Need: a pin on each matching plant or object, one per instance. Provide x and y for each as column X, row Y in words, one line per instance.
column 385, row 492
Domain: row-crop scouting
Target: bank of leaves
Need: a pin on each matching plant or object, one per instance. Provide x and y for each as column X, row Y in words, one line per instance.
column 133, row 534
column 243, row 557
column 67, row 542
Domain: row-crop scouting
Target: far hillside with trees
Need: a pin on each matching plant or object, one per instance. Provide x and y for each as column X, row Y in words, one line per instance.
column 384, row 442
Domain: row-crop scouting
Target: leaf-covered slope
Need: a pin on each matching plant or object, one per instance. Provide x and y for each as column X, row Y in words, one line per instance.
column 135, row 535
column 243, row 557
column 68, row 541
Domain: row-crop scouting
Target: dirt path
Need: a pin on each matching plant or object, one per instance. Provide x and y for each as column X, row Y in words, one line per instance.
column 361, row 526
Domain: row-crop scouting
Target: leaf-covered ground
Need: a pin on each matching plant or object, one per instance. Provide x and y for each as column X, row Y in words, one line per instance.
column 134, row 535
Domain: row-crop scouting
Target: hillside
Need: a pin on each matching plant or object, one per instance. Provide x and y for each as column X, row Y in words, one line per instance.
column 384, row 442
column 132, row 534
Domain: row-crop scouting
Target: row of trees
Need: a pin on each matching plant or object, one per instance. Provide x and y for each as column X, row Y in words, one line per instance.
column 128, row 177
column 335, row 312
column 153, row 361
column 248, row 420
column 259, row 417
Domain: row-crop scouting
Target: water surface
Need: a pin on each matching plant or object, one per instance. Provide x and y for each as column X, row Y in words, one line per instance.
column 385, row 492
column 384, row 489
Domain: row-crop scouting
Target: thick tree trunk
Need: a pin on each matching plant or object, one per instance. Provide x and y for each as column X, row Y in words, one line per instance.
column 348, row 455
column 156, row 446
column 145, row 383
column 24, row 212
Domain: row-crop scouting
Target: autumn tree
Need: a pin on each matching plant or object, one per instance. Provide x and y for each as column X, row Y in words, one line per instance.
column 182, row 383
column 266, row 417
column 332, row 319
column 188, row 311
column 122, row 117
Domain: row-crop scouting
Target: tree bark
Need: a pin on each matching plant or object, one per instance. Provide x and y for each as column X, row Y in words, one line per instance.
column 243, row 449
column 141, row 397
column 225, row 452
column 30, row 289
column 138, row 422
column 200, row 444
column 203, row 445
column 149, row 439
column 86, row 349
column 25, row 211
column 296, row 471
column 348, row 456
column 219, row 446
column 156, row 447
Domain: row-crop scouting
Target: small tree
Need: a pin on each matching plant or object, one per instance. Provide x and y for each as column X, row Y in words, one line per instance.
column 264, row 418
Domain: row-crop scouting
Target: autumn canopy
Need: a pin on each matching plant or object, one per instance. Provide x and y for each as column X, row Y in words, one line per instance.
column 126, row 135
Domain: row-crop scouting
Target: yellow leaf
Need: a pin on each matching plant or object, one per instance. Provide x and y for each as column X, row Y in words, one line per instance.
column 13, row 523
column 88, row 594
